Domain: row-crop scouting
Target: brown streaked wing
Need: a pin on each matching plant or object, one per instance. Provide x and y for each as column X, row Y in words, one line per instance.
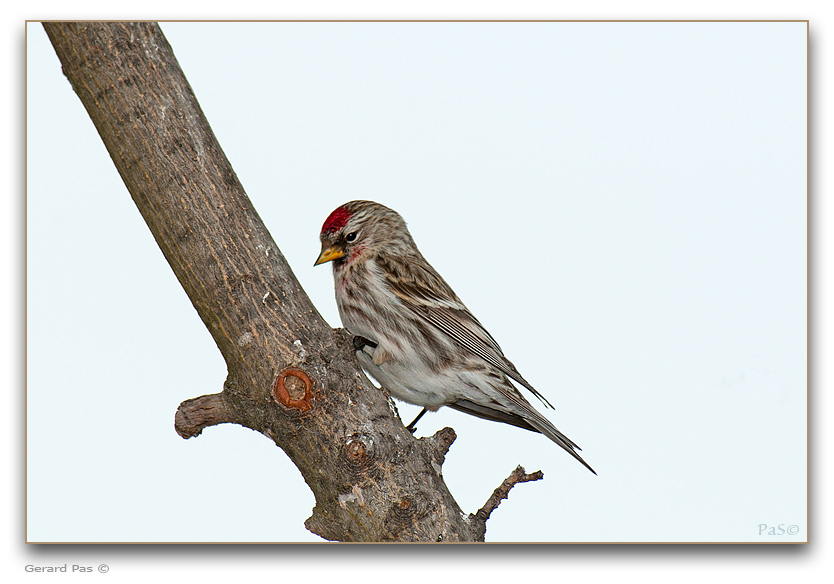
column 411, row 283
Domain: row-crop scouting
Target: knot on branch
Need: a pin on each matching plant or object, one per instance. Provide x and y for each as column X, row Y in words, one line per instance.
column 405, row 512
column 294, row 389
column 361, row 456
column 194, row 415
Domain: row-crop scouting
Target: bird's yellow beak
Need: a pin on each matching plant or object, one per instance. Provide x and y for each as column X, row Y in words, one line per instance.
column 328, row 254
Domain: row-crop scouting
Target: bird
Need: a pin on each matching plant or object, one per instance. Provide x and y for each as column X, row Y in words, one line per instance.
column 411, row 331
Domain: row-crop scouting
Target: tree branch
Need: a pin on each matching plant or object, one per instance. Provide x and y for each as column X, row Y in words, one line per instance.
column 290, row 376
column 518, row 476
column 195, row 414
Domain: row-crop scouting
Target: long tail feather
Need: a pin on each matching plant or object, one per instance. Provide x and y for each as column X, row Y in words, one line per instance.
column 545, row 427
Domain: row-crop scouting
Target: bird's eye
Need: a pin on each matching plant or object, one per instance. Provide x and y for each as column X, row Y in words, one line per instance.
column 350, row 236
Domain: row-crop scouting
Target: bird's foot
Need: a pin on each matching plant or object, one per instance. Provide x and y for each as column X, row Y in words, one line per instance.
column 360, row 343
column 412, row 427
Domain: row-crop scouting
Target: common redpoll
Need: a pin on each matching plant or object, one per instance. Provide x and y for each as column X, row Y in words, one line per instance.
column 416, row 338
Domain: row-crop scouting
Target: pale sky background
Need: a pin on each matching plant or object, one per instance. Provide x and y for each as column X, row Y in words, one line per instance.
column 622, row 205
